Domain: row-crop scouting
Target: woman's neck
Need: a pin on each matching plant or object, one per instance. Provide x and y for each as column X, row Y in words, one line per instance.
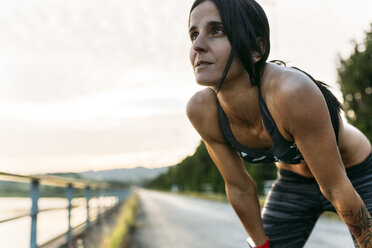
column 239, row 100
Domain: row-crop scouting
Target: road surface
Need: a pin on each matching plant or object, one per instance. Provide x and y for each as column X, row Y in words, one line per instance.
column 174, row 221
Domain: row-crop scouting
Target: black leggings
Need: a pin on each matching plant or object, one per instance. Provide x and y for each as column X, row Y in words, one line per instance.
column 295, row 203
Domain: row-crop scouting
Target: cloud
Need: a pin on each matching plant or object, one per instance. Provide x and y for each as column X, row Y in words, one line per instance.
column 95, row 137
column 100, row 144
column 80, row 163
column 60, row 52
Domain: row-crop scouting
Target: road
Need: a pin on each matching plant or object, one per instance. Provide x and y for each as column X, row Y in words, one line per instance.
column 170, row 220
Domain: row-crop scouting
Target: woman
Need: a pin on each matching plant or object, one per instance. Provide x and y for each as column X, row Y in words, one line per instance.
column 264, row 112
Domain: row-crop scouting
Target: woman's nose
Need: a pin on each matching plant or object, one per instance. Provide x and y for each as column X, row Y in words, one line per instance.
column 199, row 44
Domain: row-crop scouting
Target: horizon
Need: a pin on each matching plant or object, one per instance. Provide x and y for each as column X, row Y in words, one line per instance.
column 123, row 168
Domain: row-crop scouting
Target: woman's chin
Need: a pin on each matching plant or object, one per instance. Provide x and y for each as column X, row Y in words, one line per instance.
column 206, row 82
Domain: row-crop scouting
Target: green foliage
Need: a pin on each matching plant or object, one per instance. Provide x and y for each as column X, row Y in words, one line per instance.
column 17, row 189
column 355, row 79
column 66, row 174
column 199, row 173
column 14, row 189
column 22, row 189
column 53, row 191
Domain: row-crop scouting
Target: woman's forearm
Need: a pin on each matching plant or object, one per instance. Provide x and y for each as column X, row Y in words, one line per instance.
column 359, row 223
column 246, row 205
column 352, row 210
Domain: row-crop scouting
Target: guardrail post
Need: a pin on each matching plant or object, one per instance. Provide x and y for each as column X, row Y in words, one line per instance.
column 34, row 194
column 115, row 194
column 99, row 209
column 87, row 197
column 103, row 194
column 69, row 195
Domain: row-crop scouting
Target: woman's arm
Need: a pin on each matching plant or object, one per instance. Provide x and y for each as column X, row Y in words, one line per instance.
column 304, row 115
column 240, row 189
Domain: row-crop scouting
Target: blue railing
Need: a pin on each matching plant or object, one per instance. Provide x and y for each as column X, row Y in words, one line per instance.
column 101, row 189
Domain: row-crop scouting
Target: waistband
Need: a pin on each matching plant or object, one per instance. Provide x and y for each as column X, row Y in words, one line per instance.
column 360, row 169
column 353, row 171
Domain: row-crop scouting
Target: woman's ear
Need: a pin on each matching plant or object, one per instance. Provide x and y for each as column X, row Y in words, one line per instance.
column 261, row 44
column 256, row 55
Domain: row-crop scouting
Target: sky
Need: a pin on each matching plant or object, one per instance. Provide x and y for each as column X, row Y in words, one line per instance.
column 95, row 85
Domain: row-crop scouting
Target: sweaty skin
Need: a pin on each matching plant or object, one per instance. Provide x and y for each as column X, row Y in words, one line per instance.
column 300, row 113
column 353, row 146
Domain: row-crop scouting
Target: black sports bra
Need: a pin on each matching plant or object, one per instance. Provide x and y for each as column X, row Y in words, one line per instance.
column 282, row 151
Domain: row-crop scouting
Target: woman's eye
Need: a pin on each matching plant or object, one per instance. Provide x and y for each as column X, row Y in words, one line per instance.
column 193, row 36
column 218, row 31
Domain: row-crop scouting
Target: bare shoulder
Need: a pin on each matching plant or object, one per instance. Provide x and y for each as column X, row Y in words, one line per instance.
column 201, row 103
column 289, row 85
column 292, row 91
column 201, row 110
column 292, row 98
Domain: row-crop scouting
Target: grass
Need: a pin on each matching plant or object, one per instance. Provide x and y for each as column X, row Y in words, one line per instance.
column 125, row 223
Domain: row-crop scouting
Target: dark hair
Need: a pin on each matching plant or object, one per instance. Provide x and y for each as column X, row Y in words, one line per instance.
column 247, row 28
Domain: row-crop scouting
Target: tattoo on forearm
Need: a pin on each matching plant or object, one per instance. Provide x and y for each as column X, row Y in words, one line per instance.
column 363, row 219
column 365, row 222
column 347, row 213
column 367, row 241
column 362, row 223
column 355, row 230
column 344, row 213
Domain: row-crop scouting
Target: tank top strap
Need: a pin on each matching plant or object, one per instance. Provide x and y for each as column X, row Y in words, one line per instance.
column 224, row 125
column 280, row 143
column 266, row 116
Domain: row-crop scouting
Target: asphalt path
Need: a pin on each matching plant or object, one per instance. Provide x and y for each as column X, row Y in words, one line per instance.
column 170, row 220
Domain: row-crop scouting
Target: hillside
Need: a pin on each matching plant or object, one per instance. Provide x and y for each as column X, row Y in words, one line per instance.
column 134, row 175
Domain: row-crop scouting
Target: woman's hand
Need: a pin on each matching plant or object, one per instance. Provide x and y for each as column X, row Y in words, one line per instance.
column 253, row 245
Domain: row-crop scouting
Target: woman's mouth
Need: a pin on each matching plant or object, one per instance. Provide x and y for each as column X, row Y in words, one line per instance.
column 202, row 64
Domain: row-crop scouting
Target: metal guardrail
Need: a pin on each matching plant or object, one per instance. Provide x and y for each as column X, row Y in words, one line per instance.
column 101, row 188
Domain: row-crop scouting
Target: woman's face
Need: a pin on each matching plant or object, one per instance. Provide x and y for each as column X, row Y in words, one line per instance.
column 210, row 47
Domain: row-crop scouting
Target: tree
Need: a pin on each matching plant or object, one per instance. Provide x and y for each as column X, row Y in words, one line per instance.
column 355, row 79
